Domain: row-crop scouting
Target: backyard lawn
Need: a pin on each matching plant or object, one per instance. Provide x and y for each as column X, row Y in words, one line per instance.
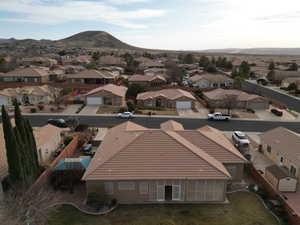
column 244, row 209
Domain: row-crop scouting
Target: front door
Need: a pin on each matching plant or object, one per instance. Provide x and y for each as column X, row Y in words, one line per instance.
column 168, row 192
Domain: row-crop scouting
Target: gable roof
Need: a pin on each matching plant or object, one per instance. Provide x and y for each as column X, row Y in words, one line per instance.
column 171, row 94
column 145, row 78
column 210, row 77
column 27, row 72
column 114, row 89
column 171, row 125
column 130, row 151
column 92, row 74
column 220, row 94
column 279, row 138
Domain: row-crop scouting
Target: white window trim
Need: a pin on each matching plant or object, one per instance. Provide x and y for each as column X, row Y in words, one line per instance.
column 179, row 192
column 109, row 188
column 143, row 188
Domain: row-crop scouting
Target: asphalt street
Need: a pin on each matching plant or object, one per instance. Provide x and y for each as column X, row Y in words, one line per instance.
column 188, row 123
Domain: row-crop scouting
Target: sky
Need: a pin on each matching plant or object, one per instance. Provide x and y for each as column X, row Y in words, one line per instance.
column 159, row 24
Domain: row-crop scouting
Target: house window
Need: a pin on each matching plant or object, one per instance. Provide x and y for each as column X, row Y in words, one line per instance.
column 126, row 186
column 109, row 188
column 215, row 85
column 144, row 188
column 232, row 170
column 269, row 149
column 293, row 171
column 176, row 192
column 117, row 100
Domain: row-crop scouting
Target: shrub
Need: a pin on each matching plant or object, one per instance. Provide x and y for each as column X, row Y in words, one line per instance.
column 81, row 127
column 131, row 107
column 94, row 200
column 68, row 140
column 41, row 107
column 33, row 110
column 251, row 110
column 52, row 109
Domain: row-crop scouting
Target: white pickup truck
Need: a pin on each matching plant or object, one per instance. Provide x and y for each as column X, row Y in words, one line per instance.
column 218, row 116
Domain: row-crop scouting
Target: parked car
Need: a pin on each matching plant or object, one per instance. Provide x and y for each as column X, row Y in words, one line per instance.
column 125, row 115
column 240, row 139
column 58, row 123
column 87, row 148
column 218, row 116
column 277, row 112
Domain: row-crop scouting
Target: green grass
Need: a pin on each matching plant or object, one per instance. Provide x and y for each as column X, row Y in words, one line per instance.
column 244, row 209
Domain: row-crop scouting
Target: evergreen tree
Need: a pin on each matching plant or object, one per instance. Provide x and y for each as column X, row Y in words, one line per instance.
column 21, row 148
column 293, row 67
column 204, row 61
column 189, row 59
column 12, row 154
column 272, row 66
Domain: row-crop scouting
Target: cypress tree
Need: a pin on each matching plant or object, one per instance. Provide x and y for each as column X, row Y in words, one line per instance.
column 12, row 153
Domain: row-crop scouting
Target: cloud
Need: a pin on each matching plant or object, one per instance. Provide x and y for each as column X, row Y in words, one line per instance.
column 126, row 2
column 56, row 12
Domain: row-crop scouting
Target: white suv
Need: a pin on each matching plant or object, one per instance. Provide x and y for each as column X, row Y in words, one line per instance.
column 240, row 139
column 125, row 115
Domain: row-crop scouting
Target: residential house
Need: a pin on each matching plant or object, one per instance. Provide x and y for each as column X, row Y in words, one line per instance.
column 155, row 71
column 225, row 98
column 26, row 75
column 167, row 98
column 116, row 70
column 137, row 165
column 110, row 60
column 209, row 80
column 155, row 80
column 91, row 77
column 48, row 138
column 286, row 82
column 109, row 94
column 279, row 76
column 38, row 61
column 282, row 147
column 151, row 64
column 32, row 95
column 79, row 60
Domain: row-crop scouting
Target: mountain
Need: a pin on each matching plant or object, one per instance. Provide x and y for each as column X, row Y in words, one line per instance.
column 256, row 51
column 94, row 39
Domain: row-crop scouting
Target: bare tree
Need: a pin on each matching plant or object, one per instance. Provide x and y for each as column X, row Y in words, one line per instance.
column 21, row 207
column 230, row 102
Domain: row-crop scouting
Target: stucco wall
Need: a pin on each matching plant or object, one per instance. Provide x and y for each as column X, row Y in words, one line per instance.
column 190, row 191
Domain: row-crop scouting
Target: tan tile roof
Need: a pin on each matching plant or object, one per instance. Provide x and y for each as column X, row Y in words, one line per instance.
column 145, row 78
column 210, row 77
column 283, row 141
column 171, row 125
column 28, row 72
column 114, row 89
column 92, row 74
column 42, row 134
column 44, row 90
column 221, row 94
column 171, row 94
column 111, row 60
column 130, row 152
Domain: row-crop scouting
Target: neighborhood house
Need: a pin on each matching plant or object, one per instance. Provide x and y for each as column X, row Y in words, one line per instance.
column 92, row 77
column 138, row 165
column 27, row 75
column 167, row 98
column 211, row 81
column 223, row 98
column 109, row 94
column 156, row 80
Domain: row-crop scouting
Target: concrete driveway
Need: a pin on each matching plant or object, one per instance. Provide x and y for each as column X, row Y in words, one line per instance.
column 89, row 110
column 71, row 109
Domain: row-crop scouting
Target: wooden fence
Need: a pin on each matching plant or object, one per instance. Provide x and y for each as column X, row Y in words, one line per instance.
column 68, row 151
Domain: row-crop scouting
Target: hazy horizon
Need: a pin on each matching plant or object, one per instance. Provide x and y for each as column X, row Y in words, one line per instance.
column 173, row 25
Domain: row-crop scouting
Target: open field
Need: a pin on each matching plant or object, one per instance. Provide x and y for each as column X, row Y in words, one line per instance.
column 244, row 209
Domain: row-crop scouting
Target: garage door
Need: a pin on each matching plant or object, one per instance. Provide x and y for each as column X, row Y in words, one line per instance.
column 94, row 101
column 183, row 105
column 3, row 101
